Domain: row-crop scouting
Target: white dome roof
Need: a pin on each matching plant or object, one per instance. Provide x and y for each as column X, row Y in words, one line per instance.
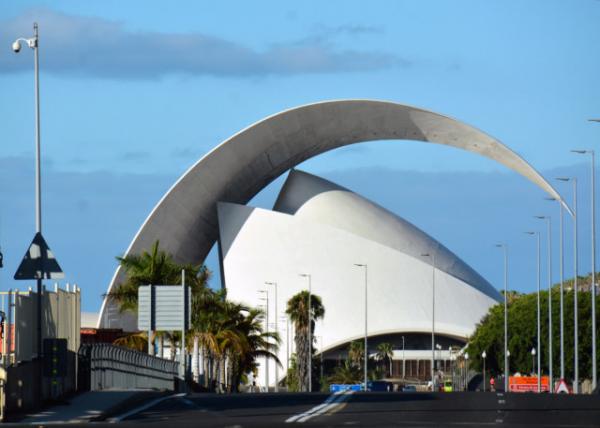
column 315, row 199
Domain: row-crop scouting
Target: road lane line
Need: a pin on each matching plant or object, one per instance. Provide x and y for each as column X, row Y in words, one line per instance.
column 143, row 407
column 332, row 401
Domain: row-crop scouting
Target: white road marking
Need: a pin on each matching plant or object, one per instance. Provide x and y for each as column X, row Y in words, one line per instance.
column 330, row 403
column 144, row 407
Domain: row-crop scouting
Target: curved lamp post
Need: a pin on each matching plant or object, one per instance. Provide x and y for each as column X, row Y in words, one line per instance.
column 549, row 263
column 574, row 214
column 593, row 239
column 366, row 359
column 537, row 235
column 505, row 250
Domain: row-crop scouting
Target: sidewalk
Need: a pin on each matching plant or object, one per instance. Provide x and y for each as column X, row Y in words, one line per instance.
column 92, row 405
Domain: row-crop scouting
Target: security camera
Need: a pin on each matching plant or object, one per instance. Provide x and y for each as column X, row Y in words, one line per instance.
column 16, row 46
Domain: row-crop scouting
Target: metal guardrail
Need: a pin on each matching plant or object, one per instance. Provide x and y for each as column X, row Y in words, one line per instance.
column 104, row 366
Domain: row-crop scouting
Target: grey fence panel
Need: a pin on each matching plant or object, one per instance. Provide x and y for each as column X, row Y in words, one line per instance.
column 104, row 366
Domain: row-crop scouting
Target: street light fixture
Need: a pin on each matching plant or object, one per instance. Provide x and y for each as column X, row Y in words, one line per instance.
column 505, row 250
column 593, row 239
column 432, row 255
column 549, row 263
column 306, row 275
column 537, row 235
column 483, row 355
column 575, row 286
column 366, row 349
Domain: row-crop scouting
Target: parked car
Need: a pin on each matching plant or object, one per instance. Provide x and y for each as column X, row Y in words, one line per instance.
column 409, row 388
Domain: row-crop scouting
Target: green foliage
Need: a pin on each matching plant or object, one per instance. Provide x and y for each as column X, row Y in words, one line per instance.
column 347, row 373
column 385, row 354
column 292, row 379
column 297, row 310
column 225, row 330
column 522, row 331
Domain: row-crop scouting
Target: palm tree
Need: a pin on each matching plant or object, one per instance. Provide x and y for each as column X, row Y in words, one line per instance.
column 347, row 373
column 148, row 268
column 385, row 352
column 135, row 341
column 297, row 310
column 154, row 268
column 356, row 353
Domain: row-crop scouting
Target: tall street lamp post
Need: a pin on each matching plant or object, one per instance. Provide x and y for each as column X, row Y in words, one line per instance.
column 505, row 251
column 575, row 287
column 593, row 239
column 284, row 319
column 274, row 284
column 432, row 255
column 508, row 363
column 403, row 360
column 561, row 272
column 366, row 348
column 309, row 333
column 539, row 384
column 549, row 263
column 266, row 300
column 33, row 43
column 483, row 356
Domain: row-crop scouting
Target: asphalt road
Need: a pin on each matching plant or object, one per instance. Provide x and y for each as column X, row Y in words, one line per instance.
column 372, row 409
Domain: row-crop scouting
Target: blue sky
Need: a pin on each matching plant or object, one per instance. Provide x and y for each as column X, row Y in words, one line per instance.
column 135, row 92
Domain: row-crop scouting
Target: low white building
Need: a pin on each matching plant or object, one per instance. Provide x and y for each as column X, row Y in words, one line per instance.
column 320, row 229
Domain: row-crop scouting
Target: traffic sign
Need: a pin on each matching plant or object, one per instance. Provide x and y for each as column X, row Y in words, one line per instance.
column 164, row 307
column 561, row 387
column 39, row 262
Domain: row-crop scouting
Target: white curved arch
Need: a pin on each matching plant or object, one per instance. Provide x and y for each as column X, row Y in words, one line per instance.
column 185, row 219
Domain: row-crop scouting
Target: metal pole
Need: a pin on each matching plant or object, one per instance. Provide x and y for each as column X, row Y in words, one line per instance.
column 433, row 324
column 403, row 360
column 562, row 322
column 38, row 198
column 483, row 374
column 593, row 285
column 184, row 314
column 575, row 273
column 366, row 348
column 505, row 317
column 277, row 333
column 550, row 354
column 267, row 358
column 274, row 284
column 321, row 338
column 549, row 242
column 309, row 335
column 539, row 354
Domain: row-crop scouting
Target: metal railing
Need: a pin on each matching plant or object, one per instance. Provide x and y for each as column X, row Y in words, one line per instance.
column 104, row 366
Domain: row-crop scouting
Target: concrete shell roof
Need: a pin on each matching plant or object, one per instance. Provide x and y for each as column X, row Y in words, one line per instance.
column 185, row 219
column 315, row 199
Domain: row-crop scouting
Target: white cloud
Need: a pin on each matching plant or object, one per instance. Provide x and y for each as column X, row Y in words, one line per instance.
column 89, row 46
